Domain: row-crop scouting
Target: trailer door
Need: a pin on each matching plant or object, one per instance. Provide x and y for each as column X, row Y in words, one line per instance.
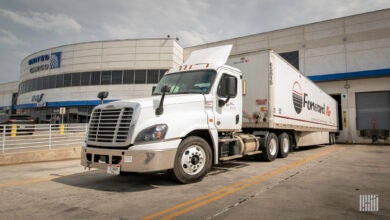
column 373, row 110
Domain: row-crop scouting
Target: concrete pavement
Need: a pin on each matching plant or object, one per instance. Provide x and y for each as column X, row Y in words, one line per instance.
column 313, row 183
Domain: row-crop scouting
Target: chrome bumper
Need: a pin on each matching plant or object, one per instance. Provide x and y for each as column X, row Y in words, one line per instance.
column 138, row 158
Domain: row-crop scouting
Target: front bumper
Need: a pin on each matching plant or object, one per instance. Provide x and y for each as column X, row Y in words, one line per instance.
column 138, row 158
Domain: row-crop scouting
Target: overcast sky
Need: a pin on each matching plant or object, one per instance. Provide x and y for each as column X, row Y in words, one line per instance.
column 28, row 26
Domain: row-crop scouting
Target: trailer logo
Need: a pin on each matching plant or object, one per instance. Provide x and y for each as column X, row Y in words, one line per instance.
column 301, row 100
column 297, row 97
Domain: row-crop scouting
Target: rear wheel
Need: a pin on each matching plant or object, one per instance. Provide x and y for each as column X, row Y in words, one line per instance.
column 284, row 145
column 270, row 148
column 193, row 160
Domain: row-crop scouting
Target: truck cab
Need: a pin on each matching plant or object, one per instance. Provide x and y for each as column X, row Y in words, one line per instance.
column 177, row 128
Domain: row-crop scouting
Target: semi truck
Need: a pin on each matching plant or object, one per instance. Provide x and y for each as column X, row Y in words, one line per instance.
column 213, row 108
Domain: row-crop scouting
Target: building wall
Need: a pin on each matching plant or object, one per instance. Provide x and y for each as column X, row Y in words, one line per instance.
column 348, row 90
column 330, row 52
column 349, row 44
column 99, row 56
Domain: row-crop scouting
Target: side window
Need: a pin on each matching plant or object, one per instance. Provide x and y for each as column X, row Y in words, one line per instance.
column 221, row 86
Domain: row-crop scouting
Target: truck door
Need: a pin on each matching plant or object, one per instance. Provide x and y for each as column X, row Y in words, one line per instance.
column 228, row 116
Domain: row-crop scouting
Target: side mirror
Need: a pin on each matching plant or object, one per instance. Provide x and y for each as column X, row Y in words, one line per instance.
column 165, row 89
column 230, row 87
column 102, row 95
column 160, row 108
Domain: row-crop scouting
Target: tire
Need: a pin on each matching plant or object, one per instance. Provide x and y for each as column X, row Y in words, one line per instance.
column 192, row 161
column 284, row 145
column 270, row 148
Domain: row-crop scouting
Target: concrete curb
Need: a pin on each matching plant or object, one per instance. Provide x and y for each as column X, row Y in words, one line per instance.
column 40, row 155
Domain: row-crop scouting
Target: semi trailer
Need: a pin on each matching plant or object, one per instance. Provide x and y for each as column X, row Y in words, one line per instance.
column 213, row 108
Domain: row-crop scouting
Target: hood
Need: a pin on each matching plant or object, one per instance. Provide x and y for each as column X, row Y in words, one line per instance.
column 154, row 101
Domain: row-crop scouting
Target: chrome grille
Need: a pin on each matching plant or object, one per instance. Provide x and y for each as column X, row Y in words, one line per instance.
column 110, row 125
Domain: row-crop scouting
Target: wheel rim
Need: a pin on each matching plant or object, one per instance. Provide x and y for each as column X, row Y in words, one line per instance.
column 193, row 160
column 285, row 145
column 272, row 146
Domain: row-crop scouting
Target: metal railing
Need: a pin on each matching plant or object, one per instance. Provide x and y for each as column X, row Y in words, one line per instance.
column 15, row 137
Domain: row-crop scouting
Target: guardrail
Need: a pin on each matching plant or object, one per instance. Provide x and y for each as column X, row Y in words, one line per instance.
column 14, row 137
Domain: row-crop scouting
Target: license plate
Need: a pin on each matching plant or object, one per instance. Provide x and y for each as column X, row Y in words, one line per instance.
column 114, row 169
column 22, row 126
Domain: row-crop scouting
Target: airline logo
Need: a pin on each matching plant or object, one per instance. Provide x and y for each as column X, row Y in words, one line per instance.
column 45, row 62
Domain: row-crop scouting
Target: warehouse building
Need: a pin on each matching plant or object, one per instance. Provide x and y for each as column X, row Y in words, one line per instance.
column 349, row 58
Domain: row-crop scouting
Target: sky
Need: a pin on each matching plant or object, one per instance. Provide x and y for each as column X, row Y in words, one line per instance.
column 28, row 26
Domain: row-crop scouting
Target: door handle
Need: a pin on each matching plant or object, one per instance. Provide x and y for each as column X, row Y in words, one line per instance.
column 237, row 119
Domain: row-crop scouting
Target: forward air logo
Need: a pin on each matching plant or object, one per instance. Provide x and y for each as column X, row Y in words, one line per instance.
column 301, row 100
column 297, row 97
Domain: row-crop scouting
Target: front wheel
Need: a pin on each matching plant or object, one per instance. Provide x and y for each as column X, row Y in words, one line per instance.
column 192, row 161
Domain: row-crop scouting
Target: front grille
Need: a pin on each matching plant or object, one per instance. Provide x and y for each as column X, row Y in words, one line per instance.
column 110, row 125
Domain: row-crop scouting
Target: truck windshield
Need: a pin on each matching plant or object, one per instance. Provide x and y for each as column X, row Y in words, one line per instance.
column 191, row 82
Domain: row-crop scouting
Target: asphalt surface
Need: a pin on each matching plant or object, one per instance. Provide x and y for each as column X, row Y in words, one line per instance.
column 322, row 182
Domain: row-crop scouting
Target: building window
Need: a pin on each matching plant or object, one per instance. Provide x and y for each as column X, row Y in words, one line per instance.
column 60, row 81
column 128, row 77
column 95, row 78
column 140, row 77
column 161, row 74
column 52, row 82
column 75, row 79
column 152, row 76
column 35, row 84
column 30, row 86
column 67, row 79
column 40, row 83
column 292, row 58
column 45, row 82
column 106, row 78
column 117, row 77
column 85, row 78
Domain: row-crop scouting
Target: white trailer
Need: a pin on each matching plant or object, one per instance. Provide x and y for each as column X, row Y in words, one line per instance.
column 278, row 97
column 206, row 112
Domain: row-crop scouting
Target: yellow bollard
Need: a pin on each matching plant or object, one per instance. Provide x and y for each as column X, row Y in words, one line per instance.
column 62, row 129
column 14, row 130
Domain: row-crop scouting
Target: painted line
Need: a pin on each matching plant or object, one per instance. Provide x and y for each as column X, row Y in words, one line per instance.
column 32, row 181
column 26, row 182
column 198, row 202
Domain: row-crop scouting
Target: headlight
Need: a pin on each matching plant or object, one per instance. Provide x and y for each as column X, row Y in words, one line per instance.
column 153, row 133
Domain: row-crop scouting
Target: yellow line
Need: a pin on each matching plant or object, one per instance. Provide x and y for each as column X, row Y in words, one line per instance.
column 228, row 190
column 26, row 182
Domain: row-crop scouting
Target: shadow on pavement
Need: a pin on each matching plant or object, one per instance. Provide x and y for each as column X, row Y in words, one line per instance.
column 128, row 182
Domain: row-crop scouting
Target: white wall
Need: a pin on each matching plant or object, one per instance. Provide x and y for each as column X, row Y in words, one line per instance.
column 355, row 43
column 110, row 55
column 104, row 55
